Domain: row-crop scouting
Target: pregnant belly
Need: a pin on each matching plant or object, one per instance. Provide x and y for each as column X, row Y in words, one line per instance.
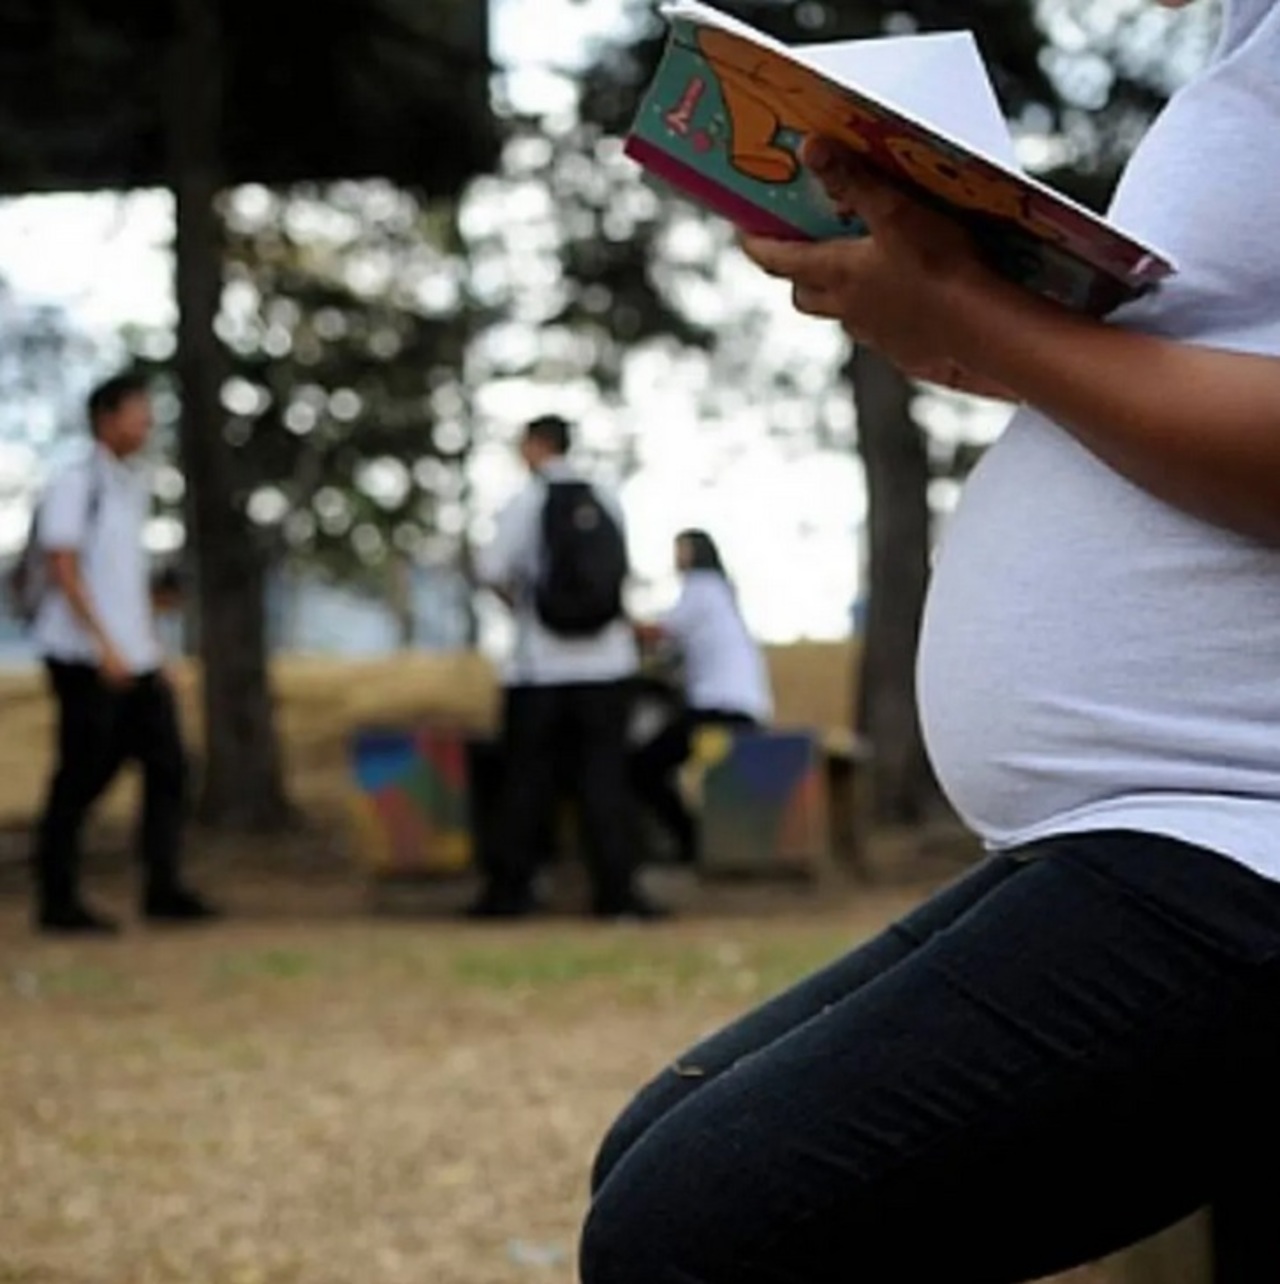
column 1083, row 641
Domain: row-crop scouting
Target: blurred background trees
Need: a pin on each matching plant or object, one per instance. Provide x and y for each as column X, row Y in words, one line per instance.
column 373, row 239
column 200, row 96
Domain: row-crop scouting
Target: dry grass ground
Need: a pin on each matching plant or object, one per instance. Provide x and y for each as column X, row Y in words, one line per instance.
column 308, row 1094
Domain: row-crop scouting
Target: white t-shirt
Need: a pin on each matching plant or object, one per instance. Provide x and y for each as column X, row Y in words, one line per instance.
column 1092, row 657
column 108, row 536
column 724, row 669
column 511, row 563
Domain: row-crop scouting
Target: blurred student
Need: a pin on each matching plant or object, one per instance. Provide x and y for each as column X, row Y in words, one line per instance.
column 726, row 682
column 94, row 628
column 559, row 561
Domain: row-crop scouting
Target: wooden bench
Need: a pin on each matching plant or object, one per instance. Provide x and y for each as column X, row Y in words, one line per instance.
column 1237, row 1242
column 846, row 756
column 1181, row 1255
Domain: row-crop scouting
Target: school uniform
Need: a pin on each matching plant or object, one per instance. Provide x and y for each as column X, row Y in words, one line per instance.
column 566, row 705
column 726, row 684
column 98, row 508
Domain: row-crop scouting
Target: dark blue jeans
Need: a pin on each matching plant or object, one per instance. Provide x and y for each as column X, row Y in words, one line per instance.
column 1062, row 1053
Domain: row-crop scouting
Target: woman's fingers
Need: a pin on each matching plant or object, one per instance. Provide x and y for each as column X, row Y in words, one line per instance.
column 847, row 178
column 815, row 301
column 824, row 263
column 827, row 161
column 824, row 277
column 778, row 258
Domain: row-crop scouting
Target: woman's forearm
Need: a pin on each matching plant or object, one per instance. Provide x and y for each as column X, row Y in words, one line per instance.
column 1197, row 427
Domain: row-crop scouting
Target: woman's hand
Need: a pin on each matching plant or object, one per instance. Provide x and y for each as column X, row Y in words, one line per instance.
column 916, row 290
column 898, row 289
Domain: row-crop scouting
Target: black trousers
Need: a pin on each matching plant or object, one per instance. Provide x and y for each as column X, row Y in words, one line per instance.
column 653, row 769
column 99, row 730
column 553, row 734
column 1051, row 1059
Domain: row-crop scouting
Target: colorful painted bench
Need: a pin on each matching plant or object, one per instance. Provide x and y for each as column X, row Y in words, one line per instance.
column 424, row 799
column 762, row 797
column 410, row 805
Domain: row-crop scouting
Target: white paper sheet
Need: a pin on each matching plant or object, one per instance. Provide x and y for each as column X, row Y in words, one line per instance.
column 938, row 78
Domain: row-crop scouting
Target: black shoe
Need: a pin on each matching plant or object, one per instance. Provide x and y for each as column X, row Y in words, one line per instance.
column 634, row 908
column 178, row 906
column 75, row 920
column 493, row 906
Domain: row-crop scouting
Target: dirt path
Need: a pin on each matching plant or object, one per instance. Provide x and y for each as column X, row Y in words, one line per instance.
column 309, row 1095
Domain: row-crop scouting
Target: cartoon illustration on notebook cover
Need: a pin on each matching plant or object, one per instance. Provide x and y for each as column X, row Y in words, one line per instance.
column 724, row 120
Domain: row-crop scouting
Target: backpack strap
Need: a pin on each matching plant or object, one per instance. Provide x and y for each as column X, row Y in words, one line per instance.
column 93, row 505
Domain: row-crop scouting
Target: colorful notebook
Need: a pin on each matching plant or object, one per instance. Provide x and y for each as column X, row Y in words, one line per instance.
column 729, row 107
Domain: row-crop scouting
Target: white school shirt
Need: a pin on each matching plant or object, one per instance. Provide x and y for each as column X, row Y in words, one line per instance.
column 113, row 562
column 511, row 563
column 1092, row 657
column 724, row 668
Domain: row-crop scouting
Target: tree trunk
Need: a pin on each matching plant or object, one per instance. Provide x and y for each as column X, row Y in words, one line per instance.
column 466, row 566
column 400, row 599
column 895, row 457
column 242, row 785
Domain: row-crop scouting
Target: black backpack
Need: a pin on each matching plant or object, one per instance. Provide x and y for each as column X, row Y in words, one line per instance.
column 584, row 562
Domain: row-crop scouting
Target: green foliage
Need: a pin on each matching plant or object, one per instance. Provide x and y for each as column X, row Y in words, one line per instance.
column 342, row 309
column 39, row 343
column 345, row 321
column 574, row 262
column 344, row 314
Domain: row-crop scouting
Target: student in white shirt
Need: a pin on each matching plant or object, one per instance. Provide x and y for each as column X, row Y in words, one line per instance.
column 568, row 683
column 95, row 631
column 726, row 681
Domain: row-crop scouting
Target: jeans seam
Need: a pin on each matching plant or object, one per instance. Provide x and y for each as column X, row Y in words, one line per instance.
column 979, row 1125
